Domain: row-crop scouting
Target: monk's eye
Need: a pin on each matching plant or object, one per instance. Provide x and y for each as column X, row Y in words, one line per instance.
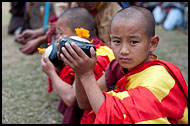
column 133, row 42
column 116, row 41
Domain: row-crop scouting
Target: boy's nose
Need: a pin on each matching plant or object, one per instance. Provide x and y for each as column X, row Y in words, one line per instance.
column 124, row 50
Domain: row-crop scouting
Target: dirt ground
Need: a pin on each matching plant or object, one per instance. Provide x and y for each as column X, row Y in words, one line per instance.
column 24, row 85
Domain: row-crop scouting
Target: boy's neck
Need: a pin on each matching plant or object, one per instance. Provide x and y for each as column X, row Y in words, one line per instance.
column 150, row 57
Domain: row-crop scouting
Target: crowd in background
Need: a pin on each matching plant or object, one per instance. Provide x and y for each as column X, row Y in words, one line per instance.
column 30, row 15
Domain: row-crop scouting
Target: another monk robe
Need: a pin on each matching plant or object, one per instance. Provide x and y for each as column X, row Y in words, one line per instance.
column 115, row 73
column 72, row 115
column 102, row 50
column 152, row 93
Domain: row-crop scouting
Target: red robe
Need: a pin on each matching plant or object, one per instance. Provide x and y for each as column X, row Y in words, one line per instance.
column 153, row 92
column 72, row 115
column 67, row 74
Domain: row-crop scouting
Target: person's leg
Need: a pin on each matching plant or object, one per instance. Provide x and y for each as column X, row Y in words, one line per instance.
column 174, row 19
column 159, row 14
column 15, row 22
column 17, row 11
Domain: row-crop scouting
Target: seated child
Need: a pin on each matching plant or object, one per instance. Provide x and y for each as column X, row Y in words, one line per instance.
column 143, row 89
column 71, row 19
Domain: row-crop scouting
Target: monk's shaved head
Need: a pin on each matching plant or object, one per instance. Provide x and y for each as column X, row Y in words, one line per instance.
column 140, row 14
column 78, row 17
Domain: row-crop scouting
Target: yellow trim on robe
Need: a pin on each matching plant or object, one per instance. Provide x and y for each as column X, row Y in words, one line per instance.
column 155, row 121
column 158, row 80
column 184, row 119
column 120, row 95
column 155, row 78
column 105, row 51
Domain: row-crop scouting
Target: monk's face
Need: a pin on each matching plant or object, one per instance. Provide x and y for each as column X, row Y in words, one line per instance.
column 129, row 43
column 63, row 30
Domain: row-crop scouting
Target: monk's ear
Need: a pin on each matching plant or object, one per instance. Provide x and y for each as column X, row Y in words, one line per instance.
column 154, row 43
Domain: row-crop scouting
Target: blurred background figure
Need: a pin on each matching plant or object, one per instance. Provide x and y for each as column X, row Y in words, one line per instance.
column 186, row 18
column 17, row 11
column 27, row 15
column 170, row 14
column 34, row 17
column 103, row 13
column 124, row 4
column 150, row 5
column 60, row 7
column 45, row 34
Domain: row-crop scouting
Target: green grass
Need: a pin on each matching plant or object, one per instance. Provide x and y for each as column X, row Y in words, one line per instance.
column 173, row 47
column 24, row 85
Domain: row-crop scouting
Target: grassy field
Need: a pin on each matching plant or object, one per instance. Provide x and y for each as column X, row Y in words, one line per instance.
column 24, row 98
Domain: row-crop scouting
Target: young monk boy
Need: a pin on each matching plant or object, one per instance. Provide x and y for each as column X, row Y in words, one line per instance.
column 71, row 19
column 150, row 90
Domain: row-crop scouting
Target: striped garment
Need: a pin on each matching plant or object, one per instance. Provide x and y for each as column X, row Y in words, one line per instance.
column 152, row 93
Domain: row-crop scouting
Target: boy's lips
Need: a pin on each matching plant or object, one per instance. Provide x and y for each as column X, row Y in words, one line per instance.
column 125, row 59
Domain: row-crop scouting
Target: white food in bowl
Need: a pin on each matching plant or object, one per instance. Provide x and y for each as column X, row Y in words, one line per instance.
column 48, row 51
column 80, row 39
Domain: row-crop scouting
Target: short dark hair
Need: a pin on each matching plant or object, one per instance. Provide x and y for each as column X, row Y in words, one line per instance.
column 78, row 17
column 134, row 12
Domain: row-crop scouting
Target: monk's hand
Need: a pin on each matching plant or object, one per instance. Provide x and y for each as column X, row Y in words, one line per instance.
column 27, row 35
column 46, row 65
column 78, row 60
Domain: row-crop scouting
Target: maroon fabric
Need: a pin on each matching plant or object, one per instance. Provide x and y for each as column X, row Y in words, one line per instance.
column 53, row 18
column 112, row 74
column 96, row 41
column 71, row 115
column 61, row 107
